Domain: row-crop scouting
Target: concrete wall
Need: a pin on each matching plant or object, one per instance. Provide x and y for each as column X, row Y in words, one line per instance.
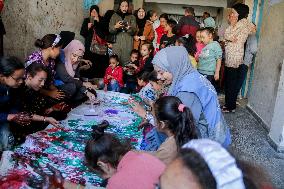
column 26, row 21
column 269, row 58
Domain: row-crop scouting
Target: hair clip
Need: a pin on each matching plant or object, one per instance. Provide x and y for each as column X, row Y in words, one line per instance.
column 56, row 41
column 181, row 107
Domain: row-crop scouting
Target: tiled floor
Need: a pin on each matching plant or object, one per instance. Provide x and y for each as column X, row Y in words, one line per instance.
column 250, row 142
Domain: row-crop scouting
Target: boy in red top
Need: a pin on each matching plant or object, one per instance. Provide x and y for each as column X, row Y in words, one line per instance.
column 113, row 78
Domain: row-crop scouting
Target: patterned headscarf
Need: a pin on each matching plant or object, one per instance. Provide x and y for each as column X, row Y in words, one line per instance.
column 222, row 165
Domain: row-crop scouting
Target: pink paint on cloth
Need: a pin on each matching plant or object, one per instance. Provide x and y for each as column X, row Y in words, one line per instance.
column 199, row 47
column 137, row 170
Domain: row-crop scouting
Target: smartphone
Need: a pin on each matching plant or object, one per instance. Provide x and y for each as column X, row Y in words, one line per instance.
column 92, row 19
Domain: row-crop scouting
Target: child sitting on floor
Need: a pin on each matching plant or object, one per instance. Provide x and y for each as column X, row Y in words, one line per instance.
column 130, row 76
column 211, row 55
column 113, row 79
column 176, row 121
column 147, row 93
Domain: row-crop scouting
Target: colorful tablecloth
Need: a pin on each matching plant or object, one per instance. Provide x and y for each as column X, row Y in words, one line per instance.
column 64, row 148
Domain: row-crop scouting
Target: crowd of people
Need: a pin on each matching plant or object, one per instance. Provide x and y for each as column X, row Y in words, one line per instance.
column 174, row 67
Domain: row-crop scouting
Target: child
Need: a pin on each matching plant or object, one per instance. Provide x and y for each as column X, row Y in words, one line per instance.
column 176, row 121
column 113, row 79
column 113, row 159
column 189, row 43
column 211, row 55
column 145, row 62
column 129, row 72
column 147, row 93
column 199, row 45
column 161, row 29
column 170, row 38
column 153, row 17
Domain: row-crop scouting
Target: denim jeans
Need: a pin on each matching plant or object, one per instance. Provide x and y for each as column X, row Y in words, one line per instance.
column 113, row 86
column 6, row 137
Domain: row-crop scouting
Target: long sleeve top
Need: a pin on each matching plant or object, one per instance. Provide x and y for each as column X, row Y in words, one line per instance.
column 116, row 73
column 6, row 105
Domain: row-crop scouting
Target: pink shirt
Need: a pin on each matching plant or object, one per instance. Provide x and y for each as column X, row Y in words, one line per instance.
column 199, row 47
column 136, row 170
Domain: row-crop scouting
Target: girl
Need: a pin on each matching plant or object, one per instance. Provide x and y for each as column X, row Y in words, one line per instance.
column 49, row 46
column 199, row 45
column 145, row 63
column 210, row 58
column 33, row 103
column 161, row 29
column 11, row 76
column 123, row 25
column 147, row 93
column 153, row 18
column 176, row 121
column 113, row 79
column 170, row 38
column 114, row 160
column 189, row 43
column 67, row 71
column 145, row 31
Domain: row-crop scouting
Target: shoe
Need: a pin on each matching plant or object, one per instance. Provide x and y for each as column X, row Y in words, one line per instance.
column 226, row 110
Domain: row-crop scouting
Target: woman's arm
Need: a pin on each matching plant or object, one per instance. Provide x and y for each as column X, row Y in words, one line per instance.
column 112, row 24
column 132, row 25
column 84, row 29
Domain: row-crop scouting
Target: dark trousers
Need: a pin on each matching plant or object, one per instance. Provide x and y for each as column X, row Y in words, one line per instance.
column 213, row 82
column 234, row 78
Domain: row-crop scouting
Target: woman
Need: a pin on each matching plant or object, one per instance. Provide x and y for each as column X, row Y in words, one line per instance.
column 49, row 49
column 203, row 164
column 114, row 160
column 174, row 69
column 145, row 33
column 235, row 37
column 90, row 25
column 123, row 25
column 68, row 70
column 11, row 76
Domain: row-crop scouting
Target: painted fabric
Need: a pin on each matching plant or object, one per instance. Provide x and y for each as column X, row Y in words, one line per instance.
column 64, row 148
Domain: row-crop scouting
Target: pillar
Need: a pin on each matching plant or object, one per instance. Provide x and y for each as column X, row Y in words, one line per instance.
column 276, row 133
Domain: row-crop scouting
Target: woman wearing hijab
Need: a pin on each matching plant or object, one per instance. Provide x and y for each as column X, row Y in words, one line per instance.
column 68, row 70
column 173, row 67
column 145, row 33
column 123, row 25
column 91, row 24
column 235, row 37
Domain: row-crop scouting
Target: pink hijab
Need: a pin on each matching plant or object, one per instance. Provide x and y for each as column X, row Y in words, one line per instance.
column 75, row 47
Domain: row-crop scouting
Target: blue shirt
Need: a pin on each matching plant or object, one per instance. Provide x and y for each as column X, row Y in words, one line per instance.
column 208, row 58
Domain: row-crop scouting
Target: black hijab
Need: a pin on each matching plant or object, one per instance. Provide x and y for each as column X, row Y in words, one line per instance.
column 96, row 8
column 140, row 23
column 121, row 14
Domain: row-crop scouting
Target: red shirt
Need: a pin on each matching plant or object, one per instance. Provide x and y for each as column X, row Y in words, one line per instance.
column 116, row 73
column 137, row 170
column 160, row 32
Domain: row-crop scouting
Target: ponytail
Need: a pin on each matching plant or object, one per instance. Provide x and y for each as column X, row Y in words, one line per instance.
column 178, row 118
column 49, row 40
column 185, row 128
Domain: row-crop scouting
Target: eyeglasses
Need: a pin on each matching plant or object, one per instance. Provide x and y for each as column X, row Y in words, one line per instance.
column 17, row 79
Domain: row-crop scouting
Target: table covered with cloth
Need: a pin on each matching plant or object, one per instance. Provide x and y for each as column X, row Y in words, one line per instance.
column 64, row 148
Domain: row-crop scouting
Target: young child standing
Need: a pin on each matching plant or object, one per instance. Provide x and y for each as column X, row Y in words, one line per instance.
column 161, row 30
column 113, row 79
column 199, row 45
column 130, row 75
column 170, row 38
column 211, row 55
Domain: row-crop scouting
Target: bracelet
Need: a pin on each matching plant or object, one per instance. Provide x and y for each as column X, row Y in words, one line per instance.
column 44, row 119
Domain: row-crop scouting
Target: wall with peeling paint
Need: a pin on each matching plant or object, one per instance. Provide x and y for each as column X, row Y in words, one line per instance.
column 25, row 21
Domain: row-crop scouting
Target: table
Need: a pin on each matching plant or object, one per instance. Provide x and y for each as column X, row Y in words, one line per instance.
column 64, row 148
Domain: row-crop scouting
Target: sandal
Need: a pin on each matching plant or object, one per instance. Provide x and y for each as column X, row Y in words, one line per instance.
column 226, row 110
